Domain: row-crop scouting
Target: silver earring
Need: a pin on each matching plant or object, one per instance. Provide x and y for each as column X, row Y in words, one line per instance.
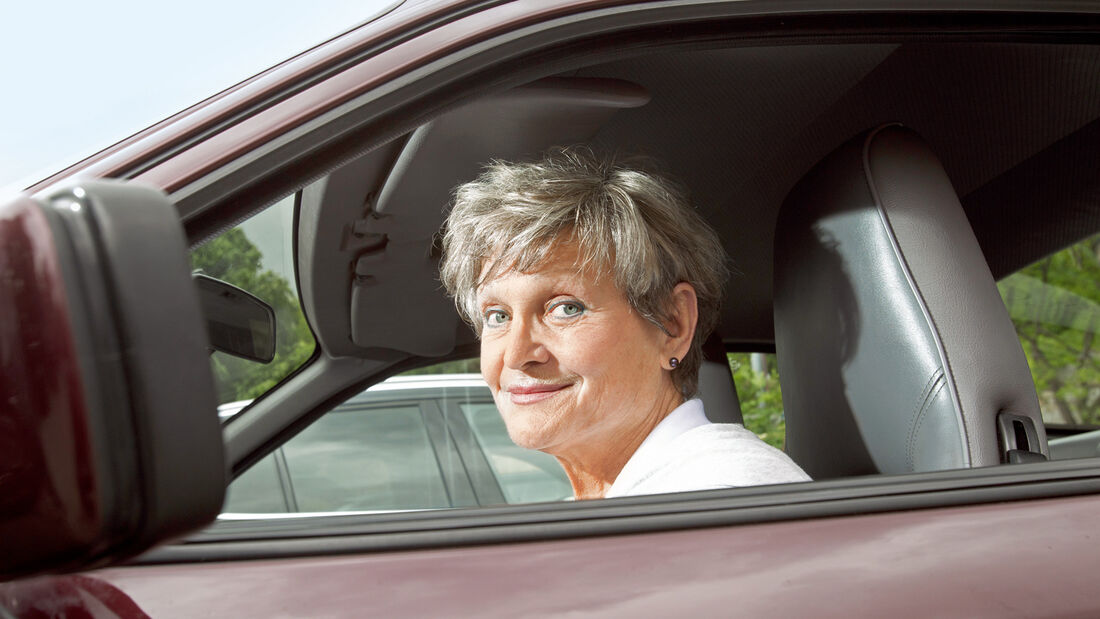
column 674, row 362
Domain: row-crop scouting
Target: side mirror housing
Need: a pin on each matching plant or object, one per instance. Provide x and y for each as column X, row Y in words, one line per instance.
column 109, row 435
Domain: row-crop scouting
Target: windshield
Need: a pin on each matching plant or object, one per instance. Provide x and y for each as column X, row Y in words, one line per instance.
column 81, row 78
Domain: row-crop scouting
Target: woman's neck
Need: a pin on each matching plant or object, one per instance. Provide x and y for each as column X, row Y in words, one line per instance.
column 593, row 467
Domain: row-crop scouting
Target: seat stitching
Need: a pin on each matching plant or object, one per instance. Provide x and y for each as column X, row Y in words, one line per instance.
column 938, row 382
column 914, row 415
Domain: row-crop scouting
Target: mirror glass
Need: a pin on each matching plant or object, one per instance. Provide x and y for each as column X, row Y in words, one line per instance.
column 237, row 322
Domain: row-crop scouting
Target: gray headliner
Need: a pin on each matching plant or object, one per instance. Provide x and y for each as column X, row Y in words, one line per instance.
column 739, row 126
column 769, row 114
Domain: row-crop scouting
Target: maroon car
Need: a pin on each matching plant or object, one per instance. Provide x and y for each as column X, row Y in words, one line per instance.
column 910, row 195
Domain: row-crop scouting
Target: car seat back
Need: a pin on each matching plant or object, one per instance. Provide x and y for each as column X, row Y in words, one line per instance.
column 895, row 351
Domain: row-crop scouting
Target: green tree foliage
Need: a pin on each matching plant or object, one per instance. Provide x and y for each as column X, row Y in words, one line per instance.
column 760, row 396
column 1055, row 306
column 232, row 258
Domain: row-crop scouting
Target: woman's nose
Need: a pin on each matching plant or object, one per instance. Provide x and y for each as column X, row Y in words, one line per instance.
column 525, row 345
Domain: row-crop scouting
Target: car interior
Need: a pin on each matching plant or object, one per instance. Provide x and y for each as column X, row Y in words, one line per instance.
column 944, row 166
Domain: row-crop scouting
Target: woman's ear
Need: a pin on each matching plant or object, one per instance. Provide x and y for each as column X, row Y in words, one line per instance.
column 681, row 321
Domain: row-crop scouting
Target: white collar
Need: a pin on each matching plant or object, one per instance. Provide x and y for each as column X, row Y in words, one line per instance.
column 684, row 417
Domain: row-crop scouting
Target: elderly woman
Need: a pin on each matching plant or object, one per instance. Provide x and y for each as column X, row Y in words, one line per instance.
column 592, row 287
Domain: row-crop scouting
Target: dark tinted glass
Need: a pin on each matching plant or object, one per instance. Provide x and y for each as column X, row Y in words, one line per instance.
column 364, row 460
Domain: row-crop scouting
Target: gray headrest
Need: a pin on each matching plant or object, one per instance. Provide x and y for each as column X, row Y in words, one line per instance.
column 895, row 351
column 717, row 391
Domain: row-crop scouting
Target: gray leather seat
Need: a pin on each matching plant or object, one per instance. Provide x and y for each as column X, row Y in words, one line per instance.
column 895, row 351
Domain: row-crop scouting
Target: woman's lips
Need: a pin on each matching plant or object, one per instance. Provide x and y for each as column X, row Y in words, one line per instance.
column 529, row 394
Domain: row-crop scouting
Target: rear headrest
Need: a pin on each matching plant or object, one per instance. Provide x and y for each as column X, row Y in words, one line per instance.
column 718, row 393
column 895, row 351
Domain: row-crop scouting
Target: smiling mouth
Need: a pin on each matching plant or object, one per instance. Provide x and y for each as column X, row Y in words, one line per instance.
column 530, row 394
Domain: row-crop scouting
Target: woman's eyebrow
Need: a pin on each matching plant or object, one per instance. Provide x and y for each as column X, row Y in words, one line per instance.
column 487, row 295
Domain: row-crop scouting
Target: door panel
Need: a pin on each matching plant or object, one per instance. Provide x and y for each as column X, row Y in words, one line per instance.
column 962, row 561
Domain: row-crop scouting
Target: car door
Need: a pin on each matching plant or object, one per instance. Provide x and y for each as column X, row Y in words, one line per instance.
column 971, row 542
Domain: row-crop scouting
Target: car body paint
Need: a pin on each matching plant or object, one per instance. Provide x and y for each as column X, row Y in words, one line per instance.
column 43, row 411
column 977, row 561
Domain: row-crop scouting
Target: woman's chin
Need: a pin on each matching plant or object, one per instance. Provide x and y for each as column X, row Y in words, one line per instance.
column 528, row 436
column 532, row 424
column 527, row 442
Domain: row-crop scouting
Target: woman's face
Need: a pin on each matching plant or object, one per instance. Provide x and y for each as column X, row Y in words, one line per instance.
column 570, row 363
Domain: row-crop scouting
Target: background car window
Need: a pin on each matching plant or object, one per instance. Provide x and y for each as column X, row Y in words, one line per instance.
column 362, row 460
column 524, row 475
column 1055, row 306
column 258, row 490
column 426, row 439
column 258, row 256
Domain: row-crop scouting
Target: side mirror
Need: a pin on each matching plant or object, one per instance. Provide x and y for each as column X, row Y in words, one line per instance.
column 237, row 322
column 109, row 434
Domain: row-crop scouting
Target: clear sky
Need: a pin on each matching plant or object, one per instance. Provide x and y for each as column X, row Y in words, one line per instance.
column 79, row 76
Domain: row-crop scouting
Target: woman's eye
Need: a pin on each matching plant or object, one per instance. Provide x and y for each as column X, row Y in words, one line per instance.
column 567, row 309
column 495, row 317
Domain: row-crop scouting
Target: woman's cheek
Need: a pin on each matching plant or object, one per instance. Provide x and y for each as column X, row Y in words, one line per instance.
column 491, row 362
column 587, row 349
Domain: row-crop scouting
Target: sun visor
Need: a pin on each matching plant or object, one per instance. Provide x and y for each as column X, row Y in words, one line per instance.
column 396, row 299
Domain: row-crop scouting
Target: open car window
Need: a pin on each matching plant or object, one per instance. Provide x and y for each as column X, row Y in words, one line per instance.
column 432, row 438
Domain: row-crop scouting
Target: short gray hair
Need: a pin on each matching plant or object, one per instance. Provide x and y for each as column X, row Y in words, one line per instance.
column 636, row 222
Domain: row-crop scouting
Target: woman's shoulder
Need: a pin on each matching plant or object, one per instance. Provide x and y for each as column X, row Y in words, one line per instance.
column 730, row 442
column 720, row 433
column 719, row 456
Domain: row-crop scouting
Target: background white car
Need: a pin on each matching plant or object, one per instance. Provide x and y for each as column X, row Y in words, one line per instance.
column 410, row 442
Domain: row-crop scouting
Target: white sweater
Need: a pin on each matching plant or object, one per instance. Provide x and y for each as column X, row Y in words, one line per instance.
column 687, row 452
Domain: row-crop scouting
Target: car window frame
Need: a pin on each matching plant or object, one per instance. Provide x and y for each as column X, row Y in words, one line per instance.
column 626, row 515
